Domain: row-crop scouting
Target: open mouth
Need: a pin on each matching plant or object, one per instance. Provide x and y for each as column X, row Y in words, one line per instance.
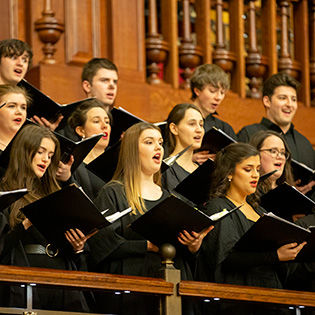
column 105, row 135
column 197, row 138
column 157, row 157
column 278, row 165
column 110, row 95
column 18, row 120
column 18, row 71
column 253, row 183
column 41, row 167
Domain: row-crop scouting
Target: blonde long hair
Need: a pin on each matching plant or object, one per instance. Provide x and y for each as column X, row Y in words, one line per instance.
column 20, row 174
column 128, row 171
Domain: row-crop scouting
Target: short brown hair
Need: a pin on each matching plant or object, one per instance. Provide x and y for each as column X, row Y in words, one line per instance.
column 208, row 74
column 15, row 47
column 91, row 67
column 279, row 79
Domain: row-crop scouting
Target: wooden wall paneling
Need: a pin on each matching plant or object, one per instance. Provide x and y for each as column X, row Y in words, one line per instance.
column 33, row 12
column 203, row 29
column 9, row 19
column 269, row 34
column 302, row 49
column 236, row 11
column 169, row 27
column 128, row 38
column 82, row 35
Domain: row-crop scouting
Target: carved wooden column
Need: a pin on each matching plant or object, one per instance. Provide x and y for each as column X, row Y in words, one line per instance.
column 312, row 50
column 156, row 47
column 221, row 56
column 190, row 55
column 286, row 63
column 256, row 63
column 49, row 31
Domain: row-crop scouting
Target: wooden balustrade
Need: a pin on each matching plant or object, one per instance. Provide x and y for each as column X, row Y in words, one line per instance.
column 157, row 52
column 165, row 289
column 244, row 293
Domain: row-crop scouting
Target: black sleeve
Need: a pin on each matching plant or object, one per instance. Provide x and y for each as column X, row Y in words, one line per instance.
column 244, row 260
column 243, row 136
column 109, row 242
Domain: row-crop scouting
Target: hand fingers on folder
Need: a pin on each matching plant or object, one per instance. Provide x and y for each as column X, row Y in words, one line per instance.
column 201, row 157
column 76, row 238
column 64, row 170
column 289, row 251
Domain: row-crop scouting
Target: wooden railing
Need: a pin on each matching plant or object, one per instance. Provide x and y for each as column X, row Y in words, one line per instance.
column 164, row 289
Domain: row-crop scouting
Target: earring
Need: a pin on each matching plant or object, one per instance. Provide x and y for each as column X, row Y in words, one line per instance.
column 229, row 179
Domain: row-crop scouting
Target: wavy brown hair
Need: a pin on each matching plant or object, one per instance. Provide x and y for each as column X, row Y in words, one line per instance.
column 225, row 164
column 128, row 171
column 20, row 173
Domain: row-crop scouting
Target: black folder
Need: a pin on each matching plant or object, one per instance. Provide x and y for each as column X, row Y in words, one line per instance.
column 214, row 140
column 266, row 175
column 196, row 186
column 162, row 223
column 271, row 232
column 79, row 149
column 285, row 200
column 43, row 106
column 307, row 254
column 302, row 172
column 65, row 209
column 169, row 161
column 122, row 120
column 8, row 197
column 104, row 166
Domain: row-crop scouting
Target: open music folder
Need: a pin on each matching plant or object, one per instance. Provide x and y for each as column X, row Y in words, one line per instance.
column 65, row 209
column 43, row 106
column 162, row 223
column 8, row 197
column 214, row 140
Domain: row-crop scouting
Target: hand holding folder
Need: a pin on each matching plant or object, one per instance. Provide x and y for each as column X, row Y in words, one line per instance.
column 63, row 210
column 163, row 223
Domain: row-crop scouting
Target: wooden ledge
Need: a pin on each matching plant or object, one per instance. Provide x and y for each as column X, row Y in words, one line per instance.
column 86, row 280
column 246, row 293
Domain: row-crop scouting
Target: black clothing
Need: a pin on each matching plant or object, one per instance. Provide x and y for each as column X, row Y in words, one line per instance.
column 173, row 176
column 90, row 183
column 218, row 261
column 13, row 244
column 118, row 249
column 212, row 121
column 301, row 149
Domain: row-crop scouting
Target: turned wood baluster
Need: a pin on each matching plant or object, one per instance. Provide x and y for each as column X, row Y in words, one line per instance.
column 49, row 31
column 312, row 50
column 156, row 47
column 190, row 55
column 221, row 56
column 256, row 64
column 286, row 63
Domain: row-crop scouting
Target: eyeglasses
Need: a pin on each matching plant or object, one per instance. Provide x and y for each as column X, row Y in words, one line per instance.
column 275, row 152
